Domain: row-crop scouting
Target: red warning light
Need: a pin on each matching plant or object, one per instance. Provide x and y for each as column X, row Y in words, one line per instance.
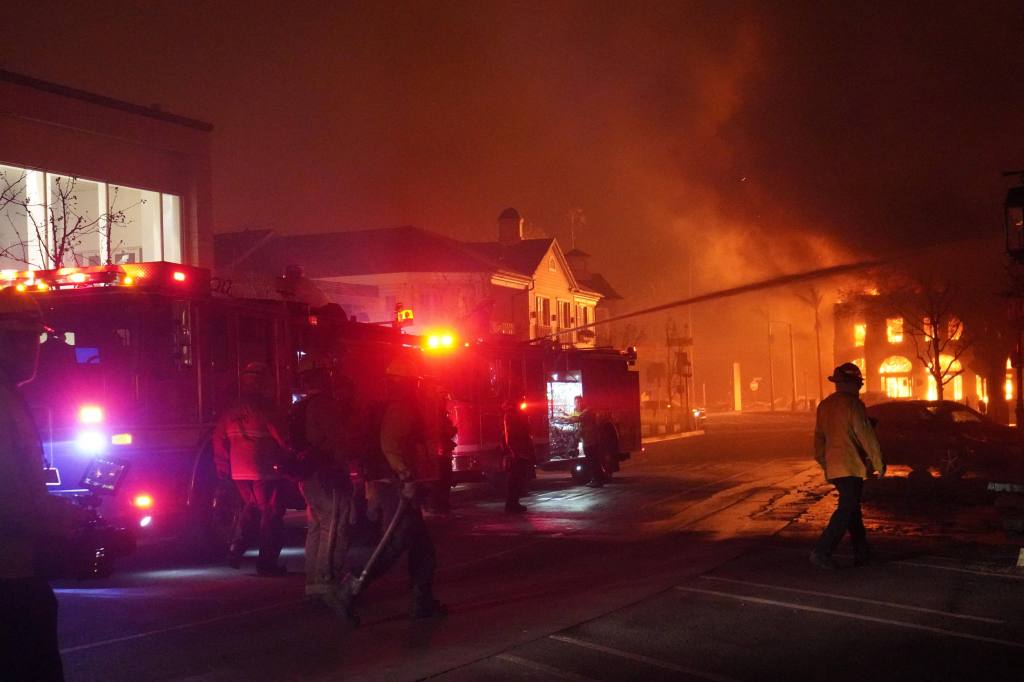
column 523, row 406
column 178, row 276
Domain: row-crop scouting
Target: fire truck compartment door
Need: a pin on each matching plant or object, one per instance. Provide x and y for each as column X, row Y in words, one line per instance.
column 611, row 387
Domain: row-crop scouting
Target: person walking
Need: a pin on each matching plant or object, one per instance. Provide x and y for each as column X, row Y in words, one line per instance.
column 248, row 447
column 846, row 447
column 590, row 435
column 29, row 516
column 404, row 444
column 320, row 434
column 519, row 456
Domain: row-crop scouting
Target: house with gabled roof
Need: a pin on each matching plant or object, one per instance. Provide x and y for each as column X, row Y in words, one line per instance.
column 523, row 288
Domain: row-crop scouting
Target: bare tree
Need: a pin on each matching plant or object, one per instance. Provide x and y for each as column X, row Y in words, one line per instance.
column 930, row 306
column 812, row 296
column 55, row 229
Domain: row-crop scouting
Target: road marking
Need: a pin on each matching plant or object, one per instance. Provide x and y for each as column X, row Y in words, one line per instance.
column 175, row 628
column 862, row 600
column 856, row 616
column 640, row 658
column 991, row 574
column 540, row 667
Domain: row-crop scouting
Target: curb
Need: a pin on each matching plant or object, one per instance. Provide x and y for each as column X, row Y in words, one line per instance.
column 673, row 436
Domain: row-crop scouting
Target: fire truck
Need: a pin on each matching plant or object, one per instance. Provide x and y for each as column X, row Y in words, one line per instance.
column 138, row 362
column 484, row 377
column 141, row 358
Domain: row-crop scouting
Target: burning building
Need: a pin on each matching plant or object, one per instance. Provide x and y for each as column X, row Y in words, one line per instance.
column 904, row 357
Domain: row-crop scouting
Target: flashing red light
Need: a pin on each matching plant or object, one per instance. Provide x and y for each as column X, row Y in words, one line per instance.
column 143, row 501
column 178, row 276
column 523, row 406
column 441, row 341
column 90, row 414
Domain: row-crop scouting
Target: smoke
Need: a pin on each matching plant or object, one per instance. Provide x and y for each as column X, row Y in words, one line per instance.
column 708, row 144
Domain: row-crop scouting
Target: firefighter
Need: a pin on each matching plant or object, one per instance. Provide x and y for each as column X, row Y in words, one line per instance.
column 320, row 433
column 589, row 434
column 248, row 447
column 403, row 441
column 440, row 495
column 29, row 516
column 519, row 455
column 845, row 445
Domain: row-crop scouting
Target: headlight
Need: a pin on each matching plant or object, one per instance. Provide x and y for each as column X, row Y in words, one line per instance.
column 91, row 442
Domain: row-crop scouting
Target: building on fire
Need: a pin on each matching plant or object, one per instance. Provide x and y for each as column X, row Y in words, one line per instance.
column 91, row 180
column 522, row 288
column 887, row 348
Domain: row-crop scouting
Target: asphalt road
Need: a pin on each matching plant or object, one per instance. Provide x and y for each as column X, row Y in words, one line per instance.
column 690, row 564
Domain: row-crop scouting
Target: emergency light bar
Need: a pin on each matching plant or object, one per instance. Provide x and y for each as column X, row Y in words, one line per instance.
column 153, row 275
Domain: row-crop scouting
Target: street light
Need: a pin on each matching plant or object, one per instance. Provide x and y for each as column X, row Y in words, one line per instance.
column 1014, row 214
column 1013, row 209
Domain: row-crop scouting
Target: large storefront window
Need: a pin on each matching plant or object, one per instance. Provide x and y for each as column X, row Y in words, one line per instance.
column 50, row 220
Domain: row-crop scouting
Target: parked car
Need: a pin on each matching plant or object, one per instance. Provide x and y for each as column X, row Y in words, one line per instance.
column 700, row 417
column 948, row 436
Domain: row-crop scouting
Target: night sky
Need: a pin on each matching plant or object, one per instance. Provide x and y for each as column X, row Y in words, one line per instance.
column 758, row 137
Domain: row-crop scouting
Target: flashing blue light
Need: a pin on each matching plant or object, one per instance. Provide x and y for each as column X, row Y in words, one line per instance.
column 91, row 442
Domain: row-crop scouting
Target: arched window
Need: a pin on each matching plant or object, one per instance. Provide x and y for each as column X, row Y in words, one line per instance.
column 895, row 364
column 895, row 371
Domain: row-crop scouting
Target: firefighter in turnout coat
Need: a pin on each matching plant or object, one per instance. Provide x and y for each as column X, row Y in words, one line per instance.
column 846, row 447
column 404, row 444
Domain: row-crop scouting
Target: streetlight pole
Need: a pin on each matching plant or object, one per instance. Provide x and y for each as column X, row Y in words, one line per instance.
column 771, row 369
column 792, row 358
column 1013, row 215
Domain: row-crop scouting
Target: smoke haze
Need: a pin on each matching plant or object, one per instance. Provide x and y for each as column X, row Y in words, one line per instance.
column 707, row 143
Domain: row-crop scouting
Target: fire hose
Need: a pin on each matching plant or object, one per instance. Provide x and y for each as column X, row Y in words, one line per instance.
column 357, row 584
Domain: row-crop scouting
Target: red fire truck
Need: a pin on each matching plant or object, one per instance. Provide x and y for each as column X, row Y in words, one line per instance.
column 141, row 359
column 543, row 380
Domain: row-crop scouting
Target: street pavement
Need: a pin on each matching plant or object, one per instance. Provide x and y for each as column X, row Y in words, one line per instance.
column 690, row 564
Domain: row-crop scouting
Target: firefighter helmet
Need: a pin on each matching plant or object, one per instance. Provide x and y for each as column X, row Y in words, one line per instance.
column 847, row 373
column 20, row 313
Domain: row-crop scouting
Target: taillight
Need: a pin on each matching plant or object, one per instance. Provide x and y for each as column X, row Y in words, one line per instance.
column 143, row 501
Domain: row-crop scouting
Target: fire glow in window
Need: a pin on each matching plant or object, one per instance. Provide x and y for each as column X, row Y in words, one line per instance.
column 860, row 331
column 894, row 329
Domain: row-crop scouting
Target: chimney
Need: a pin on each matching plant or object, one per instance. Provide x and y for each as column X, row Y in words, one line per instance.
column 510, row 227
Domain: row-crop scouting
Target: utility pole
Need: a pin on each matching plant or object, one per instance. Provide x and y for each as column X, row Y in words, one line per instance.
column 771, row 368
column 792, row 364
